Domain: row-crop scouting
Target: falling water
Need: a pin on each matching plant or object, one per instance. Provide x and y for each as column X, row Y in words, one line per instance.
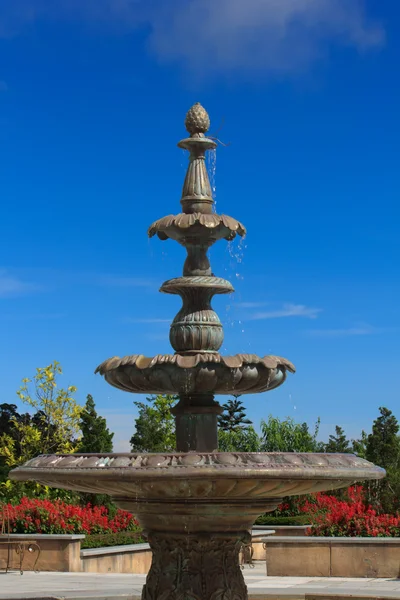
column 211, row 164
column 233, row 272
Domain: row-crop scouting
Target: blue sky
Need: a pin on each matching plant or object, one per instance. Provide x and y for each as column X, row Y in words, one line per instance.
column 93, row 96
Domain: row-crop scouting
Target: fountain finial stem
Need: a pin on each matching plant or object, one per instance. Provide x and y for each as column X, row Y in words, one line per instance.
column 196, row 192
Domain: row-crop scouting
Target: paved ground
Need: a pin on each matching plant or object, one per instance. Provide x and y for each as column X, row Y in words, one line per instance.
column 82, row 586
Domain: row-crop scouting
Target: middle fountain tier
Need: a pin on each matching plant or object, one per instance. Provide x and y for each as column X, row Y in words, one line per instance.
column 196, row 372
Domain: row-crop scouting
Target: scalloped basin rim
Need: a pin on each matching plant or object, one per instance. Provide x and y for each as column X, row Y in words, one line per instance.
column 186, row 362
column 284, row 466
column 184, row 221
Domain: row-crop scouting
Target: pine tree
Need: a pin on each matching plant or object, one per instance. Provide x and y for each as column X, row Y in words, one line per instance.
column 383, row 449
column 359, row 447
column 234, row 416
column 339, row 442
column 96, row 436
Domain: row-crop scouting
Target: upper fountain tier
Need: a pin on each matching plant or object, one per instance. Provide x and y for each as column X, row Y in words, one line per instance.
column 197, row 227
column 196, row 371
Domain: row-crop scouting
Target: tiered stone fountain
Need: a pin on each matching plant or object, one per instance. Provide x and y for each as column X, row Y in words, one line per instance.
column 197, row 506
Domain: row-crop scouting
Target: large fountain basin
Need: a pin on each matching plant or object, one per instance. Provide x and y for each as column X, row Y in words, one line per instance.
column 199, row 476
column 198, row 492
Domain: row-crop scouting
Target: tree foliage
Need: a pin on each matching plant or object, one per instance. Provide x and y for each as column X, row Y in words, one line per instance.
column 339, row 442
column 239, row 440
column 96, row 436
column 155, row 425
column 58, row 414
column 234, row 416
column 359, row 447
column 383, row 449
column 288, row 436
column 53, row 428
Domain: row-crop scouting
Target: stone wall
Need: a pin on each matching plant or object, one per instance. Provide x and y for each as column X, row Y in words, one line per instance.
column 134, row 558
column 57, row 552
column 285, row 530
column 332, row 557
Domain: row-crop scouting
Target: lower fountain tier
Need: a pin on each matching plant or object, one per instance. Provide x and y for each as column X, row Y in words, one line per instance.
column 203, row 373
column 197, row 509
column 200, row 478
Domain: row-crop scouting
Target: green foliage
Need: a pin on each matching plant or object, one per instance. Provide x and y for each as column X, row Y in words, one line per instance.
column 234, row 416
column 339, row 442
column 54, row 428
column 271, row 520
column 96, row 437
column 59, row 414
column 359, row 447
column 155, row 425
column 112, row 539
column 241, row 440
column 289, row 436
column 383, row 449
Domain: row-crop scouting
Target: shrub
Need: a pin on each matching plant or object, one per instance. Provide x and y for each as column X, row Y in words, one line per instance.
column 271, row 520
column 104, row 540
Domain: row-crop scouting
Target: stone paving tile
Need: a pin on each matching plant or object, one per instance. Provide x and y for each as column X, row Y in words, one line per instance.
column 114, row 586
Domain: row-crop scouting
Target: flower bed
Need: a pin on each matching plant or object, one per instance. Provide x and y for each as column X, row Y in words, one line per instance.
column 42, row 516
column 346, row 516
column 333, row 517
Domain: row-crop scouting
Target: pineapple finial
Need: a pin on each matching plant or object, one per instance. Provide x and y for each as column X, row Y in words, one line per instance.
column 197, row 120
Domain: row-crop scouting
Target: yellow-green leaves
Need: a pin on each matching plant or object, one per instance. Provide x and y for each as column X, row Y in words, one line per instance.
column 57, row 418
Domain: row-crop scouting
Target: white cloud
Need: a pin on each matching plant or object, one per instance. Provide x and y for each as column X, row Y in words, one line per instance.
column 273, row 36
column 11, row 285
column 224, row 36
column 121, row 423
column 288, row 310
column 250, row 304
column 350, row 331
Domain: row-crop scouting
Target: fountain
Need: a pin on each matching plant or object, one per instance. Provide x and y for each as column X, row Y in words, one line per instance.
column 197, row 506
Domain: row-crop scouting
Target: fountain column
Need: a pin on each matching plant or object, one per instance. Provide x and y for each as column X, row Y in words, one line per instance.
column 196, row 328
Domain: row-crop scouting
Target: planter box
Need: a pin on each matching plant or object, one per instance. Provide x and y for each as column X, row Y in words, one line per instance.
column 332, row 557
column 57, row 552
column 132, row 558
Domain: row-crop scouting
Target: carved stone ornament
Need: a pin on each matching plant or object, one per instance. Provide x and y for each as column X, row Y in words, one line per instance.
column 201, row 567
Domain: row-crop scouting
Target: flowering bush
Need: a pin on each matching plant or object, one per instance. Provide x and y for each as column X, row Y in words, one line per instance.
column 43, row 516
column 351, row 517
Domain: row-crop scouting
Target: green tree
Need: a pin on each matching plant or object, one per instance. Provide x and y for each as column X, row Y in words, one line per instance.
column 359, row 447
column 339, row 442
column 96, row 436
column 234, row 416
column 8, row 414
column 289, row 436
column 155, row 425
column 53, row 428
column 58, row 413
column 383, row 449
column 239, row 440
